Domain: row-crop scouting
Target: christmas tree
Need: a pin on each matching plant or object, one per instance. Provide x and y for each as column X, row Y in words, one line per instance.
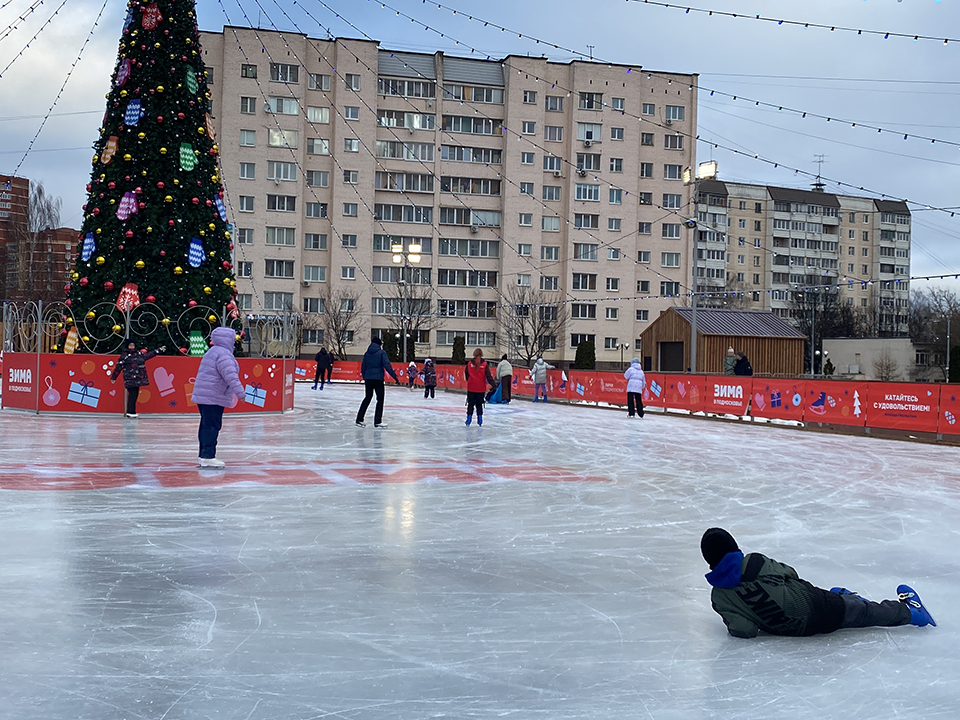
column 155, row 224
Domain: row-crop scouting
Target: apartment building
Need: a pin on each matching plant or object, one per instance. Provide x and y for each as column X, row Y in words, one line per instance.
column 520, row 179
column 758, row 244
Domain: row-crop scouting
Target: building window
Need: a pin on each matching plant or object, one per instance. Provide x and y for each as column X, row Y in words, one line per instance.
column 312, row 306
column 643, row 286
column 617, row 103
column 282, row 203
column 551, row 192
column 284, row 106
column 584, row 281
column 352, row 81
column 281, row 236
column 669, row 288
column 316, row 81
column 646, row 139
column 281, row 72
column 317, row 178
column 613, row 254
column 550, row 224
column 583, row 311
column 351, row 177
column 648, row 109
column 248, row 71
column 670, row 230
column 530, row 97
column 550, row 252
column 553, row 103
column 348, row 272
column 674, row 113
column 527, row 158
column 645, row 228
column 672, row 172
column 591, row 101
column 528, row 127
column 248, row 138
column 245, row 301
column 244, row 236
column 283, row 138
column 549, row 283
column 613, row 224
column 526, row 188
column 612, row 313
column 281, row 170
column 351, row 145
column 248, row 171
column 351, row 113
column 616, row 196
column 585, row 251
column 524, row 249
column 523, row 280
column 588, row 192
column 616, row 165
column 245, row 203
column 314, row 273
column 526, row 219
column 553, row 133
column 248, row 106
column 350, row 209
column 577, row 338
column 643, row 315
column 278, row 268
column 646, row 169
column 277, row 301
column 670, row 260
column 613, row 284
column 586, row 221
column 616, row 133
column 316, row 210
column 645, row 198
column 318, row 115
column 315, row 241
column 590, row 131
column 673, row 142
column 245, row 269
column 672, row 201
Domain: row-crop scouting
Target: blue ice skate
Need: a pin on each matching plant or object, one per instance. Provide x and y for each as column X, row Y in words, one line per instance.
column 469, row 419
column 919, row 615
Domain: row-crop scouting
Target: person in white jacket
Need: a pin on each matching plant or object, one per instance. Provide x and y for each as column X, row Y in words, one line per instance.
column 636, row 381
column 538, row 373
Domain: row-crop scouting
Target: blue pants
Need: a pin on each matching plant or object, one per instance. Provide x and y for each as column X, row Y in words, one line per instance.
column 537, row 387
column 211, row 420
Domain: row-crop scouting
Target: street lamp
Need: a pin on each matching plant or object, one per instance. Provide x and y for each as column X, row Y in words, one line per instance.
column 623, row 346
column 408, row 259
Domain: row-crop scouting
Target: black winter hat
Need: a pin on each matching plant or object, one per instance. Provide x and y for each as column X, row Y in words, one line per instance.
column 378, row 341
column 715, row 543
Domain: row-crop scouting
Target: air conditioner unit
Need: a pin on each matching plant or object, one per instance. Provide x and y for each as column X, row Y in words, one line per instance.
column 668, row 122
column 587, row 143
column 305, row 283
column 474, row 228
column 581, row 172
column 557, row 173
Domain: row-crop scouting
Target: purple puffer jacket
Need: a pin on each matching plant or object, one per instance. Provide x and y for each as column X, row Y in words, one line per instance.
column 218, row 379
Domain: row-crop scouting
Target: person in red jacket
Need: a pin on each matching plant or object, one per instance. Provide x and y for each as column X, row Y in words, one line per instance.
column 478, row 377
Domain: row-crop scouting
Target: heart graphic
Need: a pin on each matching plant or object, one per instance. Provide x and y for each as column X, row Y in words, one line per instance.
column 245, row 377
column 112, row 393
column 71, row 373
column 274, row 393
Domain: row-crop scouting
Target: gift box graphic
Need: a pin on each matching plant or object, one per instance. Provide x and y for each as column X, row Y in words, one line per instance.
column 581, row 389
column 656, row 388
column 188, row 390
column 85, row 393
column 776, row 399
column 256, row 395
column 301, row 372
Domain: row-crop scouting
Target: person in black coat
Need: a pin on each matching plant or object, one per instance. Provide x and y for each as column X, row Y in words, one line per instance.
column 374, row 364
column 743, row 365
column 324, row 368
column 133, row 363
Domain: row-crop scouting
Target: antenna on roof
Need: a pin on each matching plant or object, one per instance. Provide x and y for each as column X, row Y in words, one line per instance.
column 819, row 186
column 590, row 48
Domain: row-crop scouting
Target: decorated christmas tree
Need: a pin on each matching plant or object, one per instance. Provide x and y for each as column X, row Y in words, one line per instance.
column 155, row 225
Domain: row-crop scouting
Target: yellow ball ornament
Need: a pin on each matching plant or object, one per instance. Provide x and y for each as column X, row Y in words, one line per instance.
column 123, row 93
column 91, row 315
column 212, row 318
column 208, row 290
column 159, row 88
column 116, row 328
column 163, row 151
column 226, row 281
column 86, row 338
column 176, row 181
column 128, row 157
column 178, row 270
column 212, row 253
column 215, row 178
column 165, row 322
column 101, row 259
column 156, row 45
column 212, row 226
column 149, row 228
column 168, row 198
column 53, row 347
column 113, row 201
column 141, row 136
column 99, row 231
column 201, row 130
column 139, row 264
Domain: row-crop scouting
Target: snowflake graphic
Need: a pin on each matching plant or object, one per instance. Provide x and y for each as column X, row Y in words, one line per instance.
column 53, row 363
column 173, row 403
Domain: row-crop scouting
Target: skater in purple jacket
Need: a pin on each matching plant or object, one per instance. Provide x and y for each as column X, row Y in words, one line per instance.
column 216, row 387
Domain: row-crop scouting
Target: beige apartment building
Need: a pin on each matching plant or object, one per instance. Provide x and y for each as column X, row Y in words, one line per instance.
column 519, row 180
column 758, row 245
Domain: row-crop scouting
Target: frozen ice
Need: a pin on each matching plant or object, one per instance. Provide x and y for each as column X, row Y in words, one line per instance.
column 545, row 565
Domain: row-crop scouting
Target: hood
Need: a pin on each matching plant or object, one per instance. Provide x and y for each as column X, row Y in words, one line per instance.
column 540, row 361
column 636, row 365
column 224, row 337
column 374, row 348
column 728, row 571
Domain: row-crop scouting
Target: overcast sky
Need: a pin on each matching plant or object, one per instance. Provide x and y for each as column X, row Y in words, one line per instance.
column 829, row 73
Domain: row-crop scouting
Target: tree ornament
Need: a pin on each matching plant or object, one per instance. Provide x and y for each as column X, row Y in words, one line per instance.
column 178, row 270
column 127, row 157
column 198, row 345
column 163, row 151
column 159, row 88
column 127, row 206
column 128, row 234
column 192, row 303
column 139, row 264
column 165, row 322
column 151, row 299
column 168, row 198
column 221, row 208
column 70, row 344
column 150, row 16
column 116, row 329
column 188, row 161
column 133, row 113
column 129, row 298
column 109, row 150
column 208, row 290
column 89, row 246
column 101, row 260
column 108, row 285
column 123, row 73
column 141, row 136
column 84, row 282
column 91, row 315
column 191, row 81
column 195, row 256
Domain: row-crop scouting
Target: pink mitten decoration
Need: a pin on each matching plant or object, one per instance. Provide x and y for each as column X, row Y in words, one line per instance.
column 164, row 381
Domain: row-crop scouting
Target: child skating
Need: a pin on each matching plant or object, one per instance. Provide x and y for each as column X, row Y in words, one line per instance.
column 479, row 378
column 133, row 363
column 429, row 377
column 753, row 593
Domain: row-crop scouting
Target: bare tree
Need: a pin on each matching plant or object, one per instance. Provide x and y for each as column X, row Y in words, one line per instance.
column 532, row 322
column 341, row 319
column 34, row 269
column 934, row 316
column 820, row 313
column 886, row 367
column 410, row 309
column 737, row 294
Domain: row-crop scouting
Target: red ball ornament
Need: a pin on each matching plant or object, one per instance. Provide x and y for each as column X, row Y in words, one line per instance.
column 180, row 116
column 128, row 234
column 89, row 188
column 183, row 351
column 111, row 185
column 196, row 201
column 171, row 223
column 151, row 298
column 119, row 247
column 159, row 117
column 226, row 264
column 152, row 92
column 192, row 303
column 127, row 178
column 96, row 211
column 84, row 208
column 68, row 302
column 83, row 282
column 108, row 285
column 209, row 203
column 142, row 205
column 63, row 333
column 101, row 196
column 163, row 253
column 137, row 190
column 231, row 246
column 160, row 185
column 66, row 289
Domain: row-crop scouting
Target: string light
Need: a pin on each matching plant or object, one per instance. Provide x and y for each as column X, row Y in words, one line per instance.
column 43, row 27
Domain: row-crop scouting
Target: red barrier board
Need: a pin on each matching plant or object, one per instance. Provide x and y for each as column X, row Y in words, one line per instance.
column 781, row 399
column 81, row 383
column 611, row 388
column 837, row 403
column 582, row 386
column 903, row 406
column 653, row 391
column 684, row 392
column 451, row 376
column 949, row 419
column 347, row 370
column 558, row 384
column 727, row 394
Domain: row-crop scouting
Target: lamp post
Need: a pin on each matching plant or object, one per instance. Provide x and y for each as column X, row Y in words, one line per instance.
column 705, row 171
column 408, row 258
column 623, row 346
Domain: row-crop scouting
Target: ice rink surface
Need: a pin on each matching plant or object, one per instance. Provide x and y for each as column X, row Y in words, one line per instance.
column 546, row 566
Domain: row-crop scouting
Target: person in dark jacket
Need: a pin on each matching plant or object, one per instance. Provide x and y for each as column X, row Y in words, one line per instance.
column 753, row 593
column 429, row 377
column 374, row 364
column 133, row 363
column 324, row 366
column 479, row 378
column 742, row 366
